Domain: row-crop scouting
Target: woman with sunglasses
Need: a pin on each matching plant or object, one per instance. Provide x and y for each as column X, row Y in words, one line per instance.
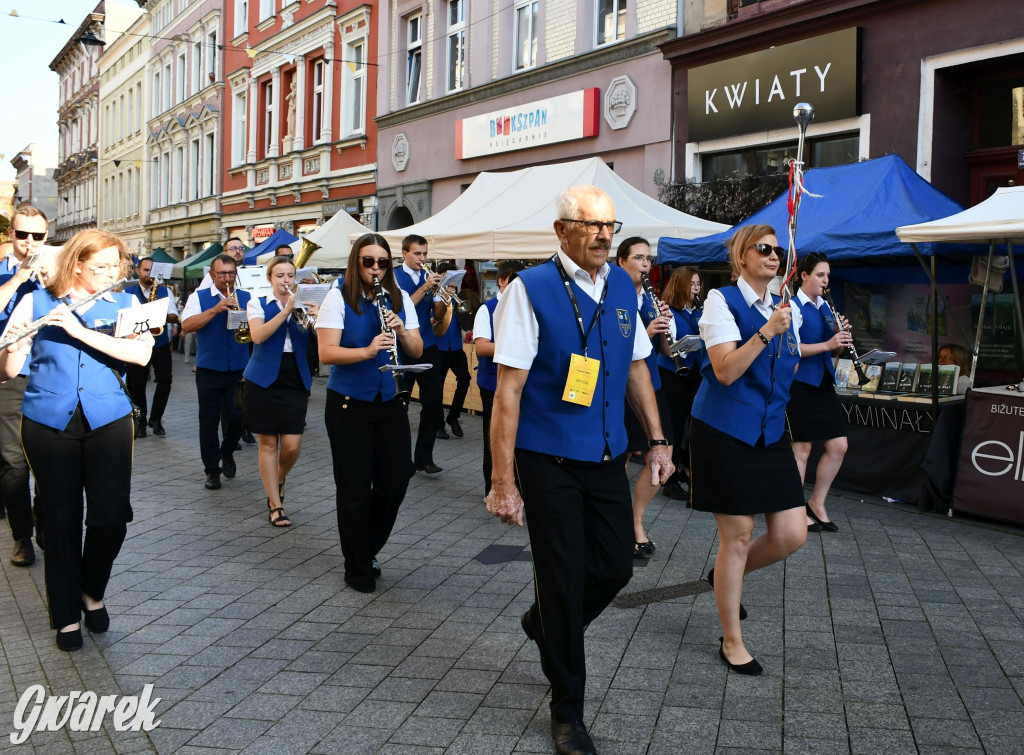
column 741, row 461
column 814, row 411
column 277, row 383
column 368, row 424
column 77, row 426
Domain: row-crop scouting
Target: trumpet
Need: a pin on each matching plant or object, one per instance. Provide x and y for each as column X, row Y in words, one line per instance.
column 159, row 329
column 463, row 309
column 242, row 335
column 645, row 282
column 395, row 366
column 302, row 317
column 827, row 296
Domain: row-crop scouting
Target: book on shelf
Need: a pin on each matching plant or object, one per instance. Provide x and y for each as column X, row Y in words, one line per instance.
column 844, row 373
column 873, row 373
column 949, row 374
column 924, row 378
column 908, row 377
column 890, row 377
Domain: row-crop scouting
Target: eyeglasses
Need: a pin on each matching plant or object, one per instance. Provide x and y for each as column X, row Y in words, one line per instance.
column 382, row 262
column 594, row 227
column 23, row 235
column 765, row 250
column 643, row 257
column 100, row 269
column 225, row 274
column 235, row 249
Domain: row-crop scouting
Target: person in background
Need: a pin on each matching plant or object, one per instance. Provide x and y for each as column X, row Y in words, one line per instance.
column 283, row 250
column 486, row 369
column 77, row 426
column 814, row 412
column 451, row 356
column 953, row 353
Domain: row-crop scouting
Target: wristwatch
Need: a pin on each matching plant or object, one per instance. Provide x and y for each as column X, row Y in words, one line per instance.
column 658, row 442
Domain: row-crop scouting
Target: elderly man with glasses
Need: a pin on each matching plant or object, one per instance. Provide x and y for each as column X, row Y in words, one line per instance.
column 220, row 361
column 28, row 232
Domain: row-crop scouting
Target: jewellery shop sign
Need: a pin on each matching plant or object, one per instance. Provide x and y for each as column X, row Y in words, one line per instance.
column 757, row 92
column 990, row 475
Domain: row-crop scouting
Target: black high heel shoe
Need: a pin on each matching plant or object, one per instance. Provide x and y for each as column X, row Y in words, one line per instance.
column 711, row 581
column 822, row 526
column 750, row 668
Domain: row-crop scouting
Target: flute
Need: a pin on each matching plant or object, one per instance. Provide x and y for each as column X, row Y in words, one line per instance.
column 43, row 321
column 827, row 296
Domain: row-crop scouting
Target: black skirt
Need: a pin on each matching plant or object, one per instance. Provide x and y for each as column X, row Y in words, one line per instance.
column 729, row 477
column 279, row 409
column 636, row 438
column 814, row 412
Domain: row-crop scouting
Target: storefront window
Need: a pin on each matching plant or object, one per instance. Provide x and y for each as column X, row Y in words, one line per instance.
column 818, row 153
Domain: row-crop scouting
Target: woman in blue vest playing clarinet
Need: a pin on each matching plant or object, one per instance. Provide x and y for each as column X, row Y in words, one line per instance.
column 367, row 418
column 77, row 426
column 814, row 410
column 277, row 383
column 741, row 460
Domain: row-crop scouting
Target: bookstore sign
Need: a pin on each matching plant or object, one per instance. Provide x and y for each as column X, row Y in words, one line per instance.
column 990, row 475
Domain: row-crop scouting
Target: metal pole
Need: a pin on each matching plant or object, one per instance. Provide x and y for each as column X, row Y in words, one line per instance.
column 1016, row 298
column 935, row 344
column 981, row 313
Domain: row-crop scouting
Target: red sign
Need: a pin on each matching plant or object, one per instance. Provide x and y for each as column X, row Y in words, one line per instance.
column 262, row 232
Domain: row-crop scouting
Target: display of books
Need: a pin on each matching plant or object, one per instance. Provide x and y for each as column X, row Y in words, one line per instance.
column 948, row 376
column 844, row 373
column 876, row 357
column 924, row 379
column 873, row 372
column 890, row 377
column 908, row 377
column 917, row 398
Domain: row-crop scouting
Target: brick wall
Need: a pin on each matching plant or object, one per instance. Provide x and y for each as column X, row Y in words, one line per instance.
column 559, row 29
column 654, row 14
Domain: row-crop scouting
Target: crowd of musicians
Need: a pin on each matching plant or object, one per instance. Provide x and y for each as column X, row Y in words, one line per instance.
column 576, row 378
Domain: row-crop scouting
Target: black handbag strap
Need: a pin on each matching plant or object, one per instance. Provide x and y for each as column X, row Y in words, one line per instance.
column 136, row 413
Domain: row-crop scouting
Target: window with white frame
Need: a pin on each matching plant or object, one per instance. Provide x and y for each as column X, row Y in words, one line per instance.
column 107, row 141
column 456, row 45
column 611, row 20
column 129, row 120
column 241, row 16
column 354, row 87
column 239, row 132
column 166, row 100
column 197, row 67
column 138, row 111
column 268, row 116
column 193, row 184
column 156, row 93
column 317, row 113
column 129, row 197
column 211, row 56
column 119, row 113
column 211, row 163
column 180, row 87
column 178, row 181
column 120, row 196
column 526, row 34
column 266, row 9
column 155, row 183
column 137, row 197
column 414, row 69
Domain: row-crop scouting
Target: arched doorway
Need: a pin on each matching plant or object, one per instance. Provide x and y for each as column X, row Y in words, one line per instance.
column 400, row 218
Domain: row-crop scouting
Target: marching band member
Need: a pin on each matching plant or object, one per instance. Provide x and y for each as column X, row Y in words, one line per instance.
column 741, row 462
column 368, row 424
column 220, row 360
column 814, row 411
column 451, row 356
column 77, row 427
column 161, row 361
column 634, row 256
column 277, row 383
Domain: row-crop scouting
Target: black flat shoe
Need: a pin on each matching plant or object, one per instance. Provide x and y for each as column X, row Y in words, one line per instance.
column 70, row 641
column 456, row 428
column 823, row 526
column 376, row 568
column 647, row 547
column 247, row 437
column 711, row 581
column 750, row 668
column 213, row 480
column 441, row 434
column 675, row 491
column 572, row 738
column 158, row 428
column 97, row 620
column 430, row 468
column 228, row 467
column 639, row 554
column 360, row 585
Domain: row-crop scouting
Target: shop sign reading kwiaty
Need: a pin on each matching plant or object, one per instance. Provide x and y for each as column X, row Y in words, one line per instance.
column 557, row 119
column 757, row 92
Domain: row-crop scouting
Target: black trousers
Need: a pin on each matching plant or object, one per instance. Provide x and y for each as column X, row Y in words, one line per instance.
column 14, row 473
column 139, row 374
column 217, row 405
column 370, row 445
column 431, row 384
column 487, row 399
column 457, row 362
column 680, row 391
column 65, row 463
column 580, row 519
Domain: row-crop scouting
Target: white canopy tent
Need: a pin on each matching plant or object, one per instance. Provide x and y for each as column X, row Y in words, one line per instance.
column 332, row 238
column 510, row 215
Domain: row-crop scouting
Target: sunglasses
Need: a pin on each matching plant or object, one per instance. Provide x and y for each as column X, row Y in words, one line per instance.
column 23, row 235
column 765, row 250
column 382, row 262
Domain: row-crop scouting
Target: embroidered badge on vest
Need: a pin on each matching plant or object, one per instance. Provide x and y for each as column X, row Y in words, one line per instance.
column 625, row 322
column 791, row 343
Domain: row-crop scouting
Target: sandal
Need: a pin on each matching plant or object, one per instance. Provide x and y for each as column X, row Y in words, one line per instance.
column 277, row 516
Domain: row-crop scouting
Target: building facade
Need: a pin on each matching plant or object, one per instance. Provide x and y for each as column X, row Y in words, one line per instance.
column 938, row 82
column 34, row 184
column 474, row 85
column 123, row 163
column 185, row 78
column 301, row 142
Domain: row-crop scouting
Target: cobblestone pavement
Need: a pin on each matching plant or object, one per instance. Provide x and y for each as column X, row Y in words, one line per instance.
column 900, row 633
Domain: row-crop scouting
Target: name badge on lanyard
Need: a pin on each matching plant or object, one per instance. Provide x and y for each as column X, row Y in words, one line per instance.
column 584, row 372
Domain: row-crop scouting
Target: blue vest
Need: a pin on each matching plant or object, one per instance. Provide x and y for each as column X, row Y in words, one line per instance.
column 549, row 425
column 423, row 309
column 755, row 404
column 65, row 373
column 7, row 272
column 687, row 324
column 486, row 369
column 216, row 347
column 363, row 380
column 452, row 338
column 648, row 313
column 818, row 326
column 265, row 363
column 161, row 293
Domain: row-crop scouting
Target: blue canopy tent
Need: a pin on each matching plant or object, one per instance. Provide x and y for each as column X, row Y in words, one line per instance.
column 278, row 238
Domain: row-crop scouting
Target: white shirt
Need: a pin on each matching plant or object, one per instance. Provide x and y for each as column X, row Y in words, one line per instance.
column 254, row 311
column 482, row 322
column 193, row 307
column 172, row 307
column 717, row 324
column 415, row 275
column 517, row 332
column 332, row 311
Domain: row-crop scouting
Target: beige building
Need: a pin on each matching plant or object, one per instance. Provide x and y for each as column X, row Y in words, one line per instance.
column 123, row 165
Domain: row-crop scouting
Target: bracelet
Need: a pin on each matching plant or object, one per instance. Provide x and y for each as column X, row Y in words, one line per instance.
column 761, row 335
column 658, row 442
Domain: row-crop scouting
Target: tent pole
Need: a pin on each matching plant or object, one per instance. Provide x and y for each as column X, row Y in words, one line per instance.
column 1016, row 297
column 981, row 312
column 935, row 344
column 930, row 272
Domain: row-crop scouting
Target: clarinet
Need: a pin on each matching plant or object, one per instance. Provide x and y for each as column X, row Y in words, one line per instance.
column 382, row 311
column 827, row 296
column 645, row 282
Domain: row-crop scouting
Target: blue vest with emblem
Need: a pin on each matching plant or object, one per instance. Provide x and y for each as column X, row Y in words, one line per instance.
column 265, row 363
column 486, row 369
column 452, row 338
column 423, row 309
column 687, row 324
column 161, row 293
column 363, row 380
column 65, row 372
column 7, row 272
column 216, row 347
column 755, row 404
column 818, row 326
column 549, row 425
column 648, row 313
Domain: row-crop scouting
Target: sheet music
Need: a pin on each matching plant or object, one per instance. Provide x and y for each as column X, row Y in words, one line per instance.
column 686, row 345
column 140, row 318
column 311, row 293
column 161, row 271
column 306, row 273
column 236, row 317
column 453, row 278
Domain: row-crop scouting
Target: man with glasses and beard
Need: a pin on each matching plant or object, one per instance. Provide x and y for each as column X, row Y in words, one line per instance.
column 28, row 232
